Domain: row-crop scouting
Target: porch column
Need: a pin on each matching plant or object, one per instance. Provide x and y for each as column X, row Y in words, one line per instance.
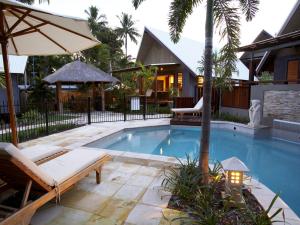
column 176, row 83
column 58, row 97
column 251, row 69
column 141, row 86
column 155, row 91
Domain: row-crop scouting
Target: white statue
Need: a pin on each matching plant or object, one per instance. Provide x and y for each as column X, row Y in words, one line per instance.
column 255, row 113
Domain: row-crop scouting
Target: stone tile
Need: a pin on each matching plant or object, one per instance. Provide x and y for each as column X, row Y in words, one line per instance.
column 119, row 177
column 105, row 188
column 156, row 197
column 170, row 216
column 140, row 180
column 149, row 171
column 129, row 193
column 85, row 201
column 118, row 210
column 112, row 165
column 99, row 220
column 128, row 168
column 46, row 214
column 157, row 182
column 66, row 216
column 144, row 215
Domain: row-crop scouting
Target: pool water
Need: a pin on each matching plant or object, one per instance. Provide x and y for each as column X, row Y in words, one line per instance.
column 275, row 163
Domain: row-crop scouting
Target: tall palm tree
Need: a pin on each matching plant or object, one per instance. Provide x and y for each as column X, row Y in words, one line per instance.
column 96, row 21
column 127, row 29
column 224, row 15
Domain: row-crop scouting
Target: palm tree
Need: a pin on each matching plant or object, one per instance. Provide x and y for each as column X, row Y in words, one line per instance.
column 127, row 29
column 224, row 15
column 96, row 21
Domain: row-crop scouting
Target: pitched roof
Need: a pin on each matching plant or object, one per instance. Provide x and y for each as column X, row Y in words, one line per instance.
column 17, row 64
column 291, row 24
column 79, row 72
column 187, row 51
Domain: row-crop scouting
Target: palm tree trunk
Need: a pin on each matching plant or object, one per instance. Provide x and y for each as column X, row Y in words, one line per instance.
column 204, row 151
column 126, row 45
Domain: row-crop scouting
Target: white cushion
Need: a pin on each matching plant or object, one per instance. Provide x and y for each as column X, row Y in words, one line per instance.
column 71, row 163
column 185, row 110
column 10, row 150
column 38, row 152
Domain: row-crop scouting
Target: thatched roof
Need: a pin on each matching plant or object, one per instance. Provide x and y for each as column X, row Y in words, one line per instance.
column 79, row 72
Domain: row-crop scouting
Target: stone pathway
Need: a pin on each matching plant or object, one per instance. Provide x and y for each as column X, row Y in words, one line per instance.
column 129, row 194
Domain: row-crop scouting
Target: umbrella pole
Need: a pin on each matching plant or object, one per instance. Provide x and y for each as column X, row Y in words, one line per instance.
column 9, row 93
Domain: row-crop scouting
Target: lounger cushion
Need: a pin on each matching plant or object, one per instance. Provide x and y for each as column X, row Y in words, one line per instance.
column 8, row 149
column 38, row 152
column 185, row 110
column 64, row 167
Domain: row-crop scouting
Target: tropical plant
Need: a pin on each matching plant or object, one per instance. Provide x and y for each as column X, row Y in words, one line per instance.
column 266, row 76
column 147, row 75
column 2, row 81
column 127, row 29
column 183, row 180
column 263, row 218
column 40, row 93
column 224, row 15
column 31, row 116
column 96, row 21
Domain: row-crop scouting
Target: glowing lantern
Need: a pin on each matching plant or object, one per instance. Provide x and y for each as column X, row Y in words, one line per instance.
column 234, row 169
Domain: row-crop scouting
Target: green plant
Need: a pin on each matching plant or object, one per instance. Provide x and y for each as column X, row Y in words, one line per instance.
column 266, row 76
column 147, row 75
column 183, row 181
column 40, row 93
column 232, row 118
column 31, row 116
column 2, row 81
column 263, row 218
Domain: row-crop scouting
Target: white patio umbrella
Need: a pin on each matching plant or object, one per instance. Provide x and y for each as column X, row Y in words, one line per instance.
column 26, row 30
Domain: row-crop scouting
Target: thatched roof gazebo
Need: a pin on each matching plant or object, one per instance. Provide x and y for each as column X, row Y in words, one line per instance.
column 79, row 72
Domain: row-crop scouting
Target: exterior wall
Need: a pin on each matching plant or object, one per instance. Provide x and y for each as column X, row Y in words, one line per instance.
column 235, row 111
column 281, row 61
column 157, row 54
column 278, row 102
column 3, row 98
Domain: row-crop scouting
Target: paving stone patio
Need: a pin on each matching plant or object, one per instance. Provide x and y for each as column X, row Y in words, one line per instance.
column 128, row 194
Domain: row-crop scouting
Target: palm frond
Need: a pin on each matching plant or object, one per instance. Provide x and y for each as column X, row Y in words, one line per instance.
column 136, row 3
column 2, row 81
column 179, row 11
column 249, row 8
column 227, row 21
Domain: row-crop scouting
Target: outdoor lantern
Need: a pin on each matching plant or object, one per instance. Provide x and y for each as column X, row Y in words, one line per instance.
column 234, row 170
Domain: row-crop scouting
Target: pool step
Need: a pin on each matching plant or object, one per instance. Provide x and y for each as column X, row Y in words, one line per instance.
column 287, row 130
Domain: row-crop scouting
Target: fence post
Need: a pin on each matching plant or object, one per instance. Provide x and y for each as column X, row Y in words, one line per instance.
column 47, row 118
column 145, row 107
column 89, row 111
column 125, row 108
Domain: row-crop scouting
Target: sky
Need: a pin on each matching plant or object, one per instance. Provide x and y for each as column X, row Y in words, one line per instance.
column 154, row 13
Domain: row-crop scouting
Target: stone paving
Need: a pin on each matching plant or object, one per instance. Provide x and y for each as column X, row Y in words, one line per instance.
column 128, row 194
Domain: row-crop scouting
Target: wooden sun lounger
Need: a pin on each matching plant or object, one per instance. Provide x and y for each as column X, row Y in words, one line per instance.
column 22, row 174
column 179, row 112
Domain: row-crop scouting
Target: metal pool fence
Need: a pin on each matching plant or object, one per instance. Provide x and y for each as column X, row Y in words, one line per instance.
column 40, row 119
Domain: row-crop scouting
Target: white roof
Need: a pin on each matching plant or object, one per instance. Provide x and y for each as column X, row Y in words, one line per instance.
column 190, row 52
column 234, row 164
column 17, row 64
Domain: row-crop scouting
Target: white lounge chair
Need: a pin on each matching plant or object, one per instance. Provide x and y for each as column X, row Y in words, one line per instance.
column 196, row 110
column 48, row 180
column 42, row 153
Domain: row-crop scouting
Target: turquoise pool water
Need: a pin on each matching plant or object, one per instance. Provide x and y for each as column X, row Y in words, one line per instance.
column 275, row 163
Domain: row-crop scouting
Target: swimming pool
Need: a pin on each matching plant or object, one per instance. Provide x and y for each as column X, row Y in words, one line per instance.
column 273, row 162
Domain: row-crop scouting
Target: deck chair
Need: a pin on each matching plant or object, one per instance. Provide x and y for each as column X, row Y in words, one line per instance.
column 42, row 153
column 196, row 110
column 50, row 179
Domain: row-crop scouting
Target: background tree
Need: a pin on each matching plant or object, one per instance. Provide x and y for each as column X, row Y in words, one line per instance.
column 127, row 29
column 40, row 93
column 222, row 81
column 225, row 16
column 147, row 76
